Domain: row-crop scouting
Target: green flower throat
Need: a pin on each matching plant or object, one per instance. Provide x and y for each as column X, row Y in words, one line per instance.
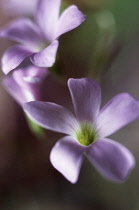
column 86, row 134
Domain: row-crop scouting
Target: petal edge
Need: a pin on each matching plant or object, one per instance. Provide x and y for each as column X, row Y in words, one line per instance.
column 67, row 156
column 117, row 113
column 111, row 159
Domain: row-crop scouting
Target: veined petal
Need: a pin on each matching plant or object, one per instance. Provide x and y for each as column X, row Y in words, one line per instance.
column 23, row 31
column 67, row 156
column 51, row 116
column 86, row 98
column 71, row 18
column 47, row 17
column 111, row 159
column 118, row 112
column 13, row 57
column 46, row 57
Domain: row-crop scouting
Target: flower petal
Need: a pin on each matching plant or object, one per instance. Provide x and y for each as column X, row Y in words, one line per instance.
column 47, row 17
column 71, row 18
column 13, row 57
column 15, row 90
column 25, row 84
column 86, row 98
column 30, row 77
column 67, row 156
column 111, row 159
column 23, row 31
column 51, row 116
column 118, row 112
column 46, row 57
column 22, row 7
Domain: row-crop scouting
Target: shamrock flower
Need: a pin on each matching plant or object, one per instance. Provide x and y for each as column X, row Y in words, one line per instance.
column 39, row 40
column 25, row 84
column 87, row 130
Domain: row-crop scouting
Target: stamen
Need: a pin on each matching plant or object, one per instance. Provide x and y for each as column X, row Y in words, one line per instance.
column 86, row 134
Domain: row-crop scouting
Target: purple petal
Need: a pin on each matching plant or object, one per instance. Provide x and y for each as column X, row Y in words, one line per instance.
column 67, row 156
column 118, row 112
column 25, row 84
column 111, row 159
column 21, row 7
column 46, row 57
column 23, row 31
column 13, row 57
column 71, row 18
column 51, row 116
column 20, row 95
column 47, row 17
column 86, row 98
column 30, row 76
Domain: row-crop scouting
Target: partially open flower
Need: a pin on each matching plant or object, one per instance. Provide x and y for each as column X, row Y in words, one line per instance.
column 87, row 130
column 25, row 84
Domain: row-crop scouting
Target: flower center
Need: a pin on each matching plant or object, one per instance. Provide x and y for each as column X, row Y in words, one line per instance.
column 86, row 134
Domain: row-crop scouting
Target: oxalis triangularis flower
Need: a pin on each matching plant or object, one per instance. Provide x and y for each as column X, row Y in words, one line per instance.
column 39, row 40
column 87, row 130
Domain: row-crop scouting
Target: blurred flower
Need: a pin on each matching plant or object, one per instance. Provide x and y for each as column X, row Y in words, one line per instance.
column 25, row 84
column 39, row 41
column 22, row 7
column 86, row 133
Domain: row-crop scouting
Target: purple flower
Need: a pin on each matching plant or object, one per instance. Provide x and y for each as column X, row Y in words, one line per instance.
column 87, row 130
column 39, row 40
column 25, row 84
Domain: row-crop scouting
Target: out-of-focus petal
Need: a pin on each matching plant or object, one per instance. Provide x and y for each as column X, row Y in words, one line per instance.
column 23, row 31
column 30, row 76
column 24, row 84
column 46, row 57
column 118, row 112
column 86, row 98
column 47, row 17
column 71, row 18
column 30, row 80
column 67, row 156
column 19, row 7
column 111, row 159
column 19, row 94
column 51, row 116
column 13, row 57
